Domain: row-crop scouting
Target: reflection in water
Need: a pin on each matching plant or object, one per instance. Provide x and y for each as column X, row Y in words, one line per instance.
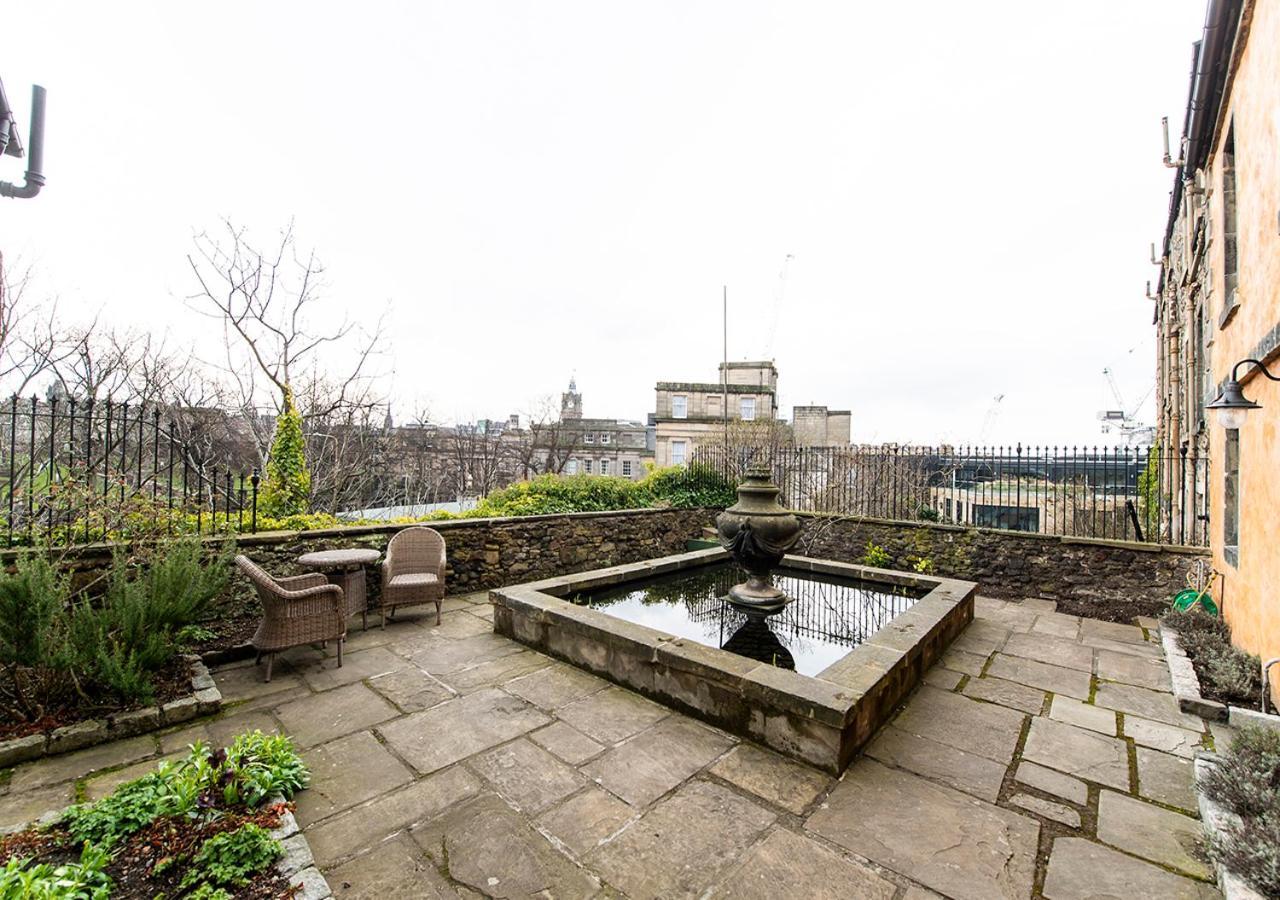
column 825, row 618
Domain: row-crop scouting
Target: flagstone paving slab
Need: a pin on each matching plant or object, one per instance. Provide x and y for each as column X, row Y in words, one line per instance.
column 345, row 772
column 1084, row 715
column 656, row 760
column 411, row 689
column 1082, row 870
column 496, row 671
column 437, row 737
column 526, row 776
column 585, row 819
column 1055, row 651
column 1166, row 779
column 1138, row 701
column 1006, row 693
column 1074, row 751
column 1051, row 782
column 457, row 625
column 1063, row 815
column 963, row 662
column 1058, row 625
column 99, row 786
column 1141, row 671
column 1162, row 737
column 1156, row 834
column 555, row 686
column 362, row 827
column 979, row 728
column 611, row 715
column 942, row 679
column 321, row 674
column 20, row 807
column 566, row 742
column 1094, row 629
column 1047, row 677
column 491, row 849
column 244, row 682
column 808, row 870
column 395, row 870
column 964, row 771
column 683, row 845
column 773, row 778
column 333, row 713
column 68, row 766
column 944, row 839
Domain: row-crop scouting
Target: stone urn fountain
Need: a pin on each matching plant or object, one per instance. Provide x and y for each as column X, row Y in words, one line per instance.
column 758, row 532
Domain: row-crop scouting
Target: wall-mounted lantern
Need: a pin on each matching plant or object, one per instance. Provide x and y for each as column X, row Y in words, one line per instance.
column 1232, row 404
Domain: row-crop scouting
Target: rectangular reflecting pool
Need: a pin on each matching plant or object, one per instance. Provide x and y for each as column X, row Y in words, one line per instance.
column 813, row 681
column 826, row 618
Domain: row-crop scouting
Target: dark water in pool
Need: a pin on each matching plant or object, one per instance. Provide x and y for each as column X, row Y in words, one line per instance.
column 825, row 620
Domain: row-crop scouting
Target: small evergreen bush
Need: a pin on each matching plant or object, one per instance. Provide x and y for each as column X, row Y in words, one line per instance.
column 1227, row 673
column 286, row 489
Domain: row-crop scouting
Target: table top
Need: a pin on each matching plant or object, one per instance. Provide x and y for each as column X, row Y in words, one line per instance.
column 333, row 559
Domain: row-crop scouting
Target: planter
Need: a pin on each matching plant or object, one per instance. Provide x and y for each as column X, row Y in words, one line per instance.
column 1186, row 688
column 204, row 699
column 1215, row 819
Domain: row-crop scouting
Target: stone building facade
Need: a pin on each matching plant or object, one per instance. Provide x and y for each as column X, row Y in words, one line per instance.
column 689, row 413
column 817, row 426
column 1218, row 303
column 602, row 446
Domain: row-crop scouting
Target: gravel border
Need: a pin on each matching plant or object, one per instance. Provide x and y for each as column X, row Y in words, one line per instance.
column 204, row 699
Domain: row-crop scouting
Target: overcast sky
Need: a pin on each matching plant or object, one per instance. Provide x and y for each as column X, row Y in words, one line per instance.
column 533, row 190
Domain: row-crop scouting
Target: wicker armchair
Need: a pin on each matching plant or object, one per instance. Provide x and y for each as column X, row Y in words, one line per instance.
column 413, row 571
column 300, row 610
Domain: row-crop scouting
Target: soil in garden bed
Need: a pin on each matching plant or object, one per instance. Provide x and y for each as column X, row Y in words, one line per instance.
column 169, row 683
column 228, row 633
column 132, row 868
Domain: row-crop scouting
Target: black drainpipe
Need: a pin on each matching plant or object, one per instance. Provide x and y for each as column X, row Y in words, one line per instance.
column 35, row 152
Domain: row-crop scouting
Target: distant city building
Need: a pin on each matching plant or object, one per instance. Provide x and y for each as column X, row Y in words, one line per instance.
column 742, row 408
column 602, row 446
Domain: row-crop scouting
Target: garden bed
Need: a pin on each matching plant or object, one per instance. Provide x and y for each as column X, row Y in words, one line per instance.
column 214, row 826
column 1211, row 677
column 183, row 691
column 1240, row 805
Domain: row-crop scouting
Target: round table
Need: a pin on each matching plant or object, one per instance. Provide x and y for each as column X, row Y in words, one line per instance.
column 345, row 568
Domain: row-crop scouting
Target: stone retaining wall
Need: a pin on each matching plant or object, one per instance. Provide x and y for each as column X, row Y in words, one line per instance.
column 1112, row 580
column 482, row 553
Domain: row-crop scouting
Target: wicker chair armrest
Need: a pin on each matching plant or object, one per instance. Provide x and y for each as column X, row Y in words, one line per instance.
column 299, row 582
column 319, row 600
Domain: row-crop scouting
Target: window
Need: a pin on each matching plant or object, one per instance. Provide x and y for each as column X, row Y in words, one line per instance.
column 605, row 437
column 679, row 407
column 589, row 437
column 947, row 504
column 571, row 467
column 604, row 467
column 586, row 466
column 959, row 510
column 1231, row 499
column 626, row 467
column 678, row 452
column 748, row 407
column 1230, row 298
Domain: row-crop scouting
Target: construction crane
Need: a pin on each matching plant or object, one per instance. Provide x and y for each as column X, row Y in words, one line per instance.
column 1124, row 421
column 989, row 420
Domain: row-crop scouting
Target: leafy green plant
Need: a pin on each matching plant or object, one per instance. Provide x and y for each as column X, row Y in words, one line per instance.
column 82, row 880
column 923, row 566
column 286, row 489
column 876, row 556
column 1247, row 782
column 231, row 858
column 32, row 636
column 130, row 808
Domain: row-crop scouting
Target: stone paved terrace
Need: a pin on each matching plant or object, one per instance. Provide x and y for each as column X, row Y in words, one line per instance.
column 1043, row 756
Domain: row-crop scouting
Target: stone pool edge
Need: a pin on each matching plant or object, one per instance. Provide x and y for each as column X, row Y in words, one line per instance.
column 820, row 720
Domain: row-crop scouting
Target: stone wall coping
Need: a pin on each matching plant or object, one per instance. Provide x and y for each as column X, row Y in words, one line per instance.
column 204, row 699
column 1139, row 546
column 258, row 538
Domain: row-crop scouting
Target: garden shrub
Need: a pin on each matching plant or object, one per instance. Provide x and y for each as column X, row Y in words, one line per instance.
column 231, row 858
column 58, row 647
column 1247, row 782
column 82, row 880
column 1227, row 673
column 286, row 489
